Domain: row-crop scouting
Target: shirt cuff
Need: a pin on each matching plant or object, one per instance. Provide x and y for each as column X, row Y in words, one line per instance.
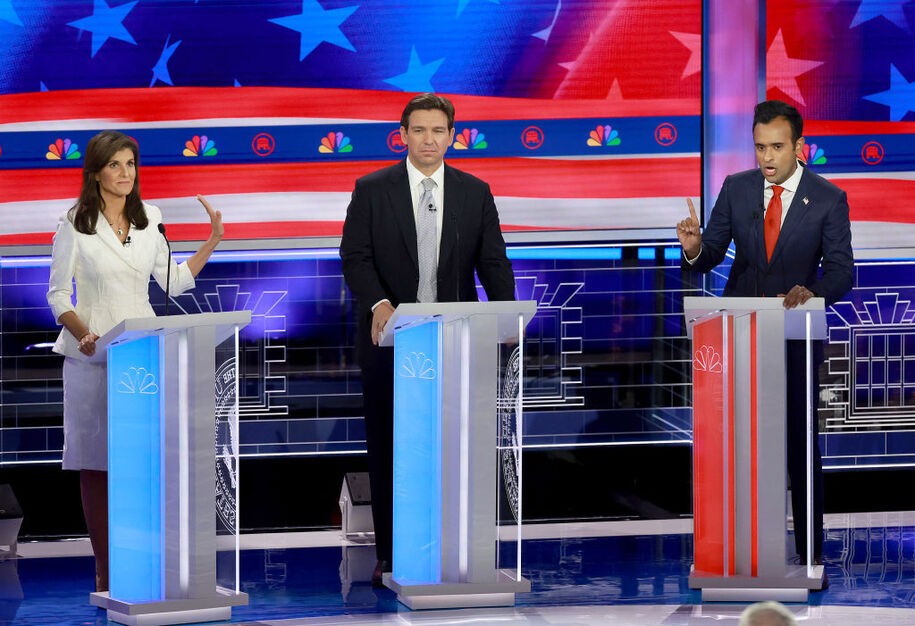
column 695, row 258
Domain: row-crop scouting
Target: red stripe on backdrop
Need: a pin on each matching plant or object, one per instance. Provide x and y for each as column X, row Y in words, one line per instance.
column 530, row 178
column 814, row 128
column 192, row 103
column 879, row 199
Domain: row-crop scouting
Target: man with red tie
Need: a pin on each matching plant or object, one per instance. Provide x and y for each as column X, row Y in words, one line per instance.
column 792, row 238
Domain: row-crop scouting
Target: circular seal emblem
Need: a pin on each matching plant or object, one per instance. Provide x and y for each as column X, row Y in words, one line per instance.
column 226, row 447
column 508, row 436
column 872, row 152
column 395, row 141
column 665, row 134
column 263, row 144
column 532, row 137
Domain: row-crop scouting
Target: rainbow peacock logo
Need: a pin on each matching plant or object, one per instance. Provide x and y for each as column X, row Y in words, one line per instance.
column 335, row 142
column 470, row 139
column 604, row 135
column 199, row 145
column 62, row 149
column 813, row 154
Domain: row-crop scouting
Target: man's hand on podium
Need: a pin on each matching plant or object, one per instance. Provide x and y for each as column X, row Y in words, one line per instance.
column 797, row 295
column 380, row 317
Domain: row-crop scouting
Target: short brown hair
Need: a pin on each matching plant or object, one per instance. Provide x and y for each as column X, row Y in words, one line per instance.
column 428, row 102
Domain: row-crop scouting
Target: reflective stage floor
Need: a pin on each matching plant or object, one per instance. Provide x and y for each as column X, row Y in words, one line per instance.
column 597, row 573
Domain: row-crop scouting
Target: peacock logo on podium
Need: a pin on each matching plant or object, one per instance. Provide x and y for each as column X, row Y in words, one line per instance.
column 138, row 380
column 706, row 359
column 418, row 365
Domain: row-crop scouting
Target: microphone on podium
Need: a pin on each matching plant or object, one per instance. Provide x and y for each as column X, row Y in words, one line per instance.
column 168, row 271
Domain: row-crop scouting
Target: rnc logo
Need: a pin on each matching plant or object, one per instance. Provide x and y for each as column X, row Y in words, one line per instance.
column 872, row 152
column 395, row 141
column 263, row 144
column 532, row 137
column 665, row 134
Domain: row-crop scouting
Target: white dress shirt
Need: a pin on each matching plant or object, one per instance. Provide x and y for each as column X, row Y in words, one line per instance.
column 416, row 192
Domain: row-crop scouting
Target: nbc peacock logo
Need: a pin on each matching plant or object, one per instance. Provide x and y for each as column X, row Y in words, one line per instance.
column 199, row 145
column 604, row 135
column 62, row 149
column 812, row 154
column 470, row 139
column 335, row 142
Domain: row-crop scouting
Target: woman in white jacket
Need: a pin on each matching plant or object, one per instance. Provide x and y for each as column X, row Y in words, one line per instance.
column 109, row 243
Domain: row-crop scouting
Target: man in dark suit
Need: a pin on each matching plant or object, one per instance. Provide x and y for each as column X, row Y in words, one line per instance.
column 414, row 232
column 786, row 223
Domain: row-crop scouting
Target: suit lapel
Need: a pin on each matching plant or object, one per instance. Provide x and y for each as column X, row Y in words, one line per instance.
column 758, row 230
column 402, row 209
column 110, row 240
column 453, row 200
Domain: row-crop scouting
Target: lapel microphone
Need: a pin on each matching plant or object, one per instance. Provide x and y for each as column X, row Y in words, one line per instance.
column 168, row 267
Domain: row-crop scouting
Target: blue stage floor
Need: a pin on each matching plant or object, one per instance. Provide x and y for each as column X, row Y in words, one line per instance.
column 623, row 579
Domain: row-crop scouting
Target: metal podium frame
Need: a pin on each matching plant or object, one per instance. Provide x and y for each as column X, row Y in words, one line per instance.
column 739, row 450
column 161, row 469
column 445, row 453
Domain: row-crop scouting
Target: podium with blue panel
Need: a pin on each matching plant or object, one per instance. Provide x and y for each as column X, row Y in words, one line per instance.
column 457, row 453
column 172, row 469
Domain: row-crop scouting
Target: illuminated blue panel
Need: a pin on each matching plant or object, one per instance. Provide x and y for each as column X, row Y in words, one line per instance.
column 134, row 470
column 646, row 254
column 672, row 254
column 418, row 455
column 567, row 253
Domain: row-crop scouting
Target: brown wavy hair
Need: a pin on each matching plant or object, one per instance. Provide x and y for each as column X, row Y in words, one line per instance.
column 99, row 151
column 428, row 102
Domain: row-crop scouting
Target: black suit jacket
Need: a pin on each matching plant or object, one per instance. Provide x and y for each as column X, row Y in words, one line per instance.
column 379, row 243
column 816, row 230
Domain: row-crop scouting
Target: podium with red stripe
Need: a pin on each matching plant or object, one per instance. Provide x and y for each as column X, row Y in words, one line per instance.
column 739, row 458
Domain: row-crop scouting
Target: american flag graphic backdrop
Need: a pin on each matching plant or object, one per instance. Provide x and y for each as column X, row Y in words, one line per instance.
column 582, row 114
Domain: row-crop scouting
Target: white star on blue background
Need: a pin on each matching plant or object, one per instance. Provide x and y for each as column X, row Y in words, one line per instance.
column 545, row 33
column 8, row 13
column 418, row 76
column 160, row 69
column 890, row 9
column 316, row 25
column 900, row 97
column 104, row 23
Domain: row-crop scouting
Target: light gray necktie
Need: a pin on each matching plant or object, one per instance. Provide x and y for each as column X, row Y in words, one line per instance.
column 426, row 244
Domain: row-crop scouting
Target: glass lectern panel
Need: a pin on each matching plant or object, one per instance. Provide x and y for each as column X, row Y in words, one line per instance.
column 508, row 447
column 226, row 441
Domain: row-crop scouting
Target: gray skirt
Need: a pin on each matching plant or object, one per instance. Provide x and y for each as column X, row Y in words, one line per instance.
column 85, row 415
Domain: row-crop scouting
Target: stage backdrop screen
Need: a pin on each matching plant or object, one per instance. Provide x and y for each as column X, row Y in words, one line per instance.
column 582, row 115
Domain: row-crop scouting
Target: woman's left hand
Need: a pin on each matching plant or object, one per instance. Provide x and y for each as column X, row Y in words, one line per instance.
column 216, row 227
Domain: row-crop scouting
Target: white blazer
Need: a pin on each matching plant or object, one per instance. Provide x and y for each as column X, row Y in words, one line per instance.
column 112, row 280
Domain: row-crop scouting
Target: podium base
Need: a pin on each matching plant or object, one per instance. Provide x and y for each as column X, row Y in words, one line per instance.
column 794, row 586
column 450, row 595
column 164, row 612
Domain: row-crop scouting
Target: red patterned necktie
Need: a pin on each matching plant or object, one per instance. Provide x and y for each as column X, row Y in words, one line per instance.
column 773, row 220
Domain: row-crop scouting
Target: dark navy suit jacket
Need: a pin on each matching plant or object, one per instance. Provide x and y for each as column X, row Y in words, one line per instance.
column 816, row 230
column 379, row 243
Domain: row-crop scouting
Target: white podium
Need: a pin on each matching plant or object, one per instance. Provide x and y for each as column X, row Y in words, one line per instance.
column 164, row 425
column 739, row 449
column 447, row 455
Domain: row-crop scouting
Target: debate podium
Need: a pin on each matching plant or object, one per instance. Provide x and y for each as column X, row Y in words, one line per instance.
column 454, row 544
column 172, row 469
column 739, row 449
